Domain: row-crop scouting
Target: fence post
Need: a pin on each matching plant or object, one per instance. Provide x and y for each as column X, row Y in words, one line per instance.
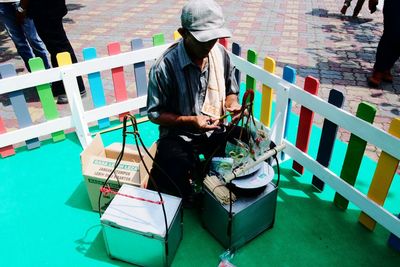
column 75, row 103
column 118, row 77
column 46, row 98
column 327, row 140
column 237, row 50
column 96, row 85
column 311, row 85
column 250, row 81
column 19, row 105
column 266, row 101
column 139, row 70
column 354, row 153
column 383, row 177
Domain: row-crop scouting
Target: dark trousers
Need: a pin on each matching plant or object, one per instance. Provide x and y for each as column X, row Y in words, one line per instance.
column 388, row 51
column 177, row 161
column 52, row 33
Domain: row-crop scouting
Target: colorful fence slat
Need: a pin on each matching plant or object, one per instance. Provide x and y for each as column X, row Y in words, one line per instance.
column 224, row 42
column 328, row 135
column 237, row 50
column 158, row 39
column 250, row 81
column 383, row 177
column 394, row 241
column 96, row 86
column 311, row 85
column 177, row 35
column 19, row 105
column 7, row 150
column 46, row 98
column 354, row 153
column 139, row 70
column 266, row 101
column 289, row 75
column 118, row 77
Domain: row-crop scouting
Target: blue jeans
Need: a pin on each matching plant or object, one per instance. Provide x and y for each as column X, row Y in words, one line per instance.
column 24, row 36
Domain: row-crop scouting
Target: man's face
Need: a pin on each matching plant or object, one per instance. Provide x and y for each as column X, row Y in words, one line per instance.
column 198, row 50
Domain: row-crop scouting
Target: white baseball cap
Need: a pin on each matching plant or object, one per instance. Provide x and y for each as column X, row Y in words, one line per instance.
column 204, row 20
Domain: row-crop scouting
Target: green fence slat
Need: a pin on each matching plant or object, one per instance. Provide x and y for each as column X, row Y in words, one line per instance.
column 158, row 39
column 46, row 98
column 354, row 153
column 252, row 58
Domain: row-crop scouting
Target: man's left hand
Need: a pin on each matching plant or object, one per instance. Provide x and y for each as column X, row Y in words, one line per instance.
column 235, row 110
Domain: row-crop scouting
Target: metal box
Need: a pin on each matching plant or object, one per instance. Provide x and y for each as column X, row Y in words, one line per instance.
column 250, row 217
column 134, row 228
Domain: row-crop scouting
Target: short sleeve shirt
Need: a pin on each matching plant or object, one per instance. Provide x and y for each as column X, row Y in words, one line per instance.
column 178, row 85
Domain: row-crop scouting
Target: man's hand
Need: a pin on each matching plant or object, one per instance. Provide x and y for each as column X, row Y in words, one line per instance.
column 372, row 5
column 233, row 107
column 235, row 110
column 206, row 123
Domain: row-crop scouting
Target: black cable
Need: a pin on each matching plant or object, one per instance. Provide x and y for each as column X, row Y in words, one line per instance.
column 137, row 140
column 116, row 164
column 277, row 168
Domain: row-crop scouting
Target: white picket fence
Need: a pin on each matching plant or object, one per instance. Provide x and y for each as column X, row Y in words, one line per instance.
column 80, row 119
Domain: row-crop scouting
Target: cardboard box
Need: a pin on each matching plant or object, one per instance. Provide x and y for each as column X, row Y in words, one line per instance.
column 250, row 217
column 134, row 230
column 96, row 167
column 130, row 152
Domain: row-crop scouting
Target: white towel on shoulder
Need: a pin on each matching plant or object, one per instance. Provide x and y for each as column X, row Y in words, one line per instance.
column 214, row 102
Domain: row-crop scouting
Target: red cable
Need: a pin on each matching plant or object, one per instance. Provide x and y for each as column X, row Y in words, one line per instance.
column 107, row 190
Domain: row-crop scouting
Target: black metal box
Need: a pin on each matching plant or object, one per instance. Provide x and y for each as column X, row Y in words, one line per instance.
column 250, row 217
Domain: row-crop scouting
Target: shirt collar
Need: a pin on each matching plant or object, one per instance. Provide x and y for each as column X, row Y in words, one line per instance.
column 184, row 59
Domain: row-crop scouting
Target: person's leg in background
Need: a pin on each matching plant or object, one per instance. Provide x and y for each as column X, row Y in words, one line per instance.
column 15, row 31
column 346, row 5
column 388, row 50
column 37, row 45
column 51, row 31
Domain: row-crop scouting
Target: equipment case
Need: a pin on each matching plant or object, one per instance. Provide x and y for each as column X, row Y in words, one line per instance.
column 250, row 217
column 134, row 230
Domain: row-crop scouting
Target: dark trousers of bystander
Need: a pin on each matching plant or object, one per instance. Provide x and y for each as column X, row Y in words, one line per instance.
column 388, row 51
column 51, row 31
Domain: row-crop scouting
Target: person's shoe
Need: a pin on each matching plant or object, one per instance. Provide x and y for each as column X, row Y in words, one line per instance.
column 83, row 93
column 379, row 76
column 63, row 99
column 387, row 76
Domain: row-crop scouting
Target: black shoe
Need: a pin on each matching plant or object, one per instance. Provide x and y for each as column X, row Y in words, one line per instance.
column 63, row 99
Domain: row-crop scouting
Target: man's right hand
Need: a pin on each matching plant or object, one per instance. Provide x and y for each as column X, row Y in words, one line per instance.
column 206, row 123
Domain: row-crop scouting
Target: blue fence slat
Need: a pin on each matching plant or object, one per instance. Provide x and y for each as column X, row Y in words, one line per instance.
column 140, row 74
column 96, row 86
column 19, row 105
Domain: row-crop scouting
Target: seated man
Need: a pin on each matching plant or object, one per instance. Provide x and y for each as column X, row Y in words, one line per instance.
column 191, row 86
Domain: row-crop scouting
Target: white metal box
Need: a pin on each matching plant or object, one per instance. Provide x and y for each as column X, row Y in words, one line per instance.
column 134, row 228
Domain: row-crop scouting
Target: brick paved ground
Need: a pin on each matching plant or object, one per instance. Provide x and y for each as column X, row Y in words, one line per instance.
column 309, row 35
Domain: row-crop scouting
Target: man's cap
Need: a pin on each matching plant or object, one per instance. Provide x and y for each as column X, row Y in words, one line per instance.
column 204, row 20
